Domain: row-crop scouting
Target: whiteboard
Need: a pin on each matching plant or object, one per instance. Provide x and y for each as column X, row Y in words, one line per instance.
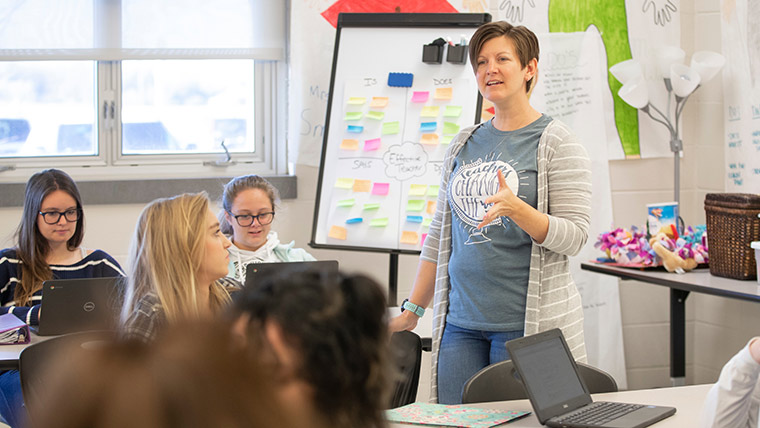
column 384, row 144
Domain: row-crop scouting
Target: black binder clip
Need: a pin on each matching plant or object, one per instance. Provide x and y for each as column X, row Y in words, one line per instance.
column 433, row 53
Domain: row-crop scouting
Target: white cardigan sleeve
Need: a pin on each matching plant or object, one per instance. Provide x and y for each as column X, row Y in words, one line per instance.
column 734, row 400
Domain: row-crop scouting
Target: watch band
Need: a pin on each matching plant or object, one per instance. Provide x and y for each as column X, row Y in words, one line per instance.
column 416, row 309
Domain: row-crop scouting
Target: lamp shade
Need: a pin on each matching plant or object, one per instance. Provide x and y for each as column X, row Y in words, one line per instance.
column 626, row 70
column 707, row 64
column 667, row 56
column 683, row 79
column 635, row 93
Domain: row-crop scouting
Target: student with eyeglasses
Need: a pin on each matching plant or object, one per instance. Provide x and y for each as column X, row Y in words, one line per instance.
column 48, row 246
column 249, row 204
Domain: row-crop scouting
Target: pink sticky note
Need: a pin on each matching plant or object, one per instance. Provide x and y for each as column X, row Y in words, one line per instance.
column 370, row 145
column 422, row 241
column 420, row 96
column 380, row 188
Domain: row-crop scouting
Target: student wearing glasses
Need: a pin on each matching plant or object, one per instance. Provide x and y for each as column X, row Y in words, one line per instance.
column 249, row 204
column 48, row 246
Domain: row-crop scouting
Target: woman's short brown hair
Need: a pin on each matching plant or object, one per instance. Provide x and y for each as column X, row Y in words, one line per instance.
column 526, row 43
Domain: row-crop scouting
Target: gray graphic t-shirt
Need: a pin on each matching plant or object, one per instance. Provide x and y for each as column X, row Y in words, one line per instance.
column 489, row 267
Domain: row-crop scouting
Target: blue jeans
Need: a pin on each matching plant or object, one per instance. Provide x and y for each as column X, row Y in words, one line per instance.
column 463, row 353
column 11, row 400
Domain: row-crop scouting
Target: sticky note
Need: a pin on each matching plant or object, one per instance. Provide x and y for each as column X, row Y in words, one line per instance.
column 414, row 218
column 372, row 206
column 450, row 128
column 370, row 145
column 432, row 190
column 337, row 232
column 452, row 111
column 353, row 115
column 357, row 101
column 431, row 207
column 409, row 237
column 349, row 145
column 430, row 111
column 378, row 102
column 362, row 185
column 380, row 188
column 417, row 189
column 346, row 202
column 390, row 128
column 446, row 139
column 400, row 80
column 424, row 235
column 420, row 96
column 344, row 183
column 429, row 139
column 375, row 115
column 356, row 129
column 379, row 222
column 443, row 93
column 354, row 220
column 415, row 205
column 426, row 222
column 428, row 126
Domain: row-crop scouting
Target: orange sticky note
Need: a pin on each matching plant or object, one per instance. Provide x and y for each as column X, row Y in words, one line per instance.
column 349, row 144
column 408, row 237
column 429, row 139
column 362, row 185
column 430, row 207
column 378, row 102
column 443, row 93
column 337, row 232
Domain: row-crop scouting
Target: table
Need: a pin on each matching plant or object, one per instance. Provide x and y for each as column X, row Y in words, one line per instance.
column 9, row 353
column 698, row 281
column 687, row 400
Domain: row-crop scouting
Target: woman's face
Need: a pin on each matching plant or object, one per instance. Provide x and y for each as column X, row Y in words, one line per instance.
column 61, row 231
column 250, row 202
column 214, row 264
column 499, row 73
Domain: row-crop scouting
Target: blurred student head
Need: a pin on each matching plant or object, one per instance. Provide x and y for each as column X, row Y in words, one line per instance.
column 326, row 337
column 243, row 197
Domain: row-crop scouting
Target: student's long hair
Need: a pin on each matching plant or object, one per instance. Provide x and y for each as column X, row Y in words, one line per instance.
column 165, row 256
column 239, row 184
column 337, row 326
column 31, row 247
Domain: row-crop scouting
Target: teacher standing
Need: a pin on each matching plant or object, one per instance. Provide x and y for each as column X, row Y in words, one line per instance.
column 514, row 203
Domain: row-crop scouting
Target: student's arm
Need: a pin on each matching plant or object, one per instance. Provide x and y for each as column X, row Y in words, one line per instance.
column 734, row 400
column 27, row 314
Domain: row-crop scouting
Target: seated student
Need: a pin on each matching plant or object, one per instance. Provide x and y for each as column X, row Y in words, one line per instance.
column 326, row 338
column 48, row 246
column 177, row 259
column 249, row 204
column 734, row 401
column 194, row 375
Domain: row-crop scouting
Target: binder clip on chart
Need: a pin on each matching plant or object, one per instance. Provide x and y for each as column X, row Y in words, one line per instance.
column 433, row 52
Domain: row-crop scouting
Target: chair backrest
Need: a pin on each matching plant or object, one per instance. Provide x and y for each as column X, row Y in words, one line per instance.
column 38, row 360
column 406, row 350
column 500, row 382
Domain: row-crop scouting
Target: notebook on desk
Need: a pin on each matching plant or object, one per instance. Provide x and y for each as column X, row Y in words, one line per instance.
column 256, row 272
column 72, row 305
column 558, row 395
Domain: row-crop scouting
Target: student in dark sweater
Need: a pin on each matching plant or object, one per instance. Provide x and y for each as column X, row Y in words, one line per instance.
column 48, row 242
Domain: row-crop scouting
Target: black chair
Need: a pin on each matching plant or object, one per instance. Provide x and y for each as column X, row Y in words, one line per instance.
column 38, row 360
column 500, row 382
column 406, row 350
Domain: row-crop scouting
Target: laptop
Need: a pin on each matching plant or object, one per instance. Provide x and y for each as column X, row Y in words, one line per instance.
column 74, row 305
column 256, row 272
column 558, row 395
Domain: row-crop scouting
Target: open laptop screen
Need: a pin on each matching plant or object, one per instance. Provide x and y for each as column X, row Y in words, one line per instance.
column 257, row 272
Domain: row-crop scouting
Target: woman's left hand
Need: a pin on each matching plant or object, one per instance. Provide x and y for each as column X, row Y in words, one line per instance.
column 505, row 203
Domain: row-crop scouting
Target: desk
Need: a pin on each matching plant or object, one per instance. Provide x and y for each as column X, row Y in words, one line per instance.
column 424, row 327
column 686, row 399
column 698, row 281
column 9, row 353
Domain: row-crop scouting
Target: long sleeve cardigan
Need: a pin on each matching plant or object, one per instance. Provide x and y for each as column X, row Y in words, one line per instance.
column 564, row 193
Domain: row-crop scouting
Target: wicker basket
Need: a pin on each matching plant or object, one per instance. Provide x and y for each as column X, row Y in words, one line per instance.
column 732, row 225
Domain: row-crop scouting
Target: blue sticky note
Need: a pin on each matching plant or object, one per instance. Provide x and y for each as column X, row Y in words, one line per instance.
column 414, row 218
column 356, row 129
column 400, row 80
column 428, row 126
column 354, row 220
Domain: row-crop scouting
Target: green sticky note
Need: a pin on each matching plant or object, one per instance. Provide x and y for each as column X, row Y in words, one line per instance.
column 433, row 190
column 379, row 222
column 371, row 207
column 450, row 128
column 391, row 128
column 353, row 115
column 346, row 202
column 426, row 222
column 415, row 205
column 375, row 115
column 446, row 139
column 452, row 111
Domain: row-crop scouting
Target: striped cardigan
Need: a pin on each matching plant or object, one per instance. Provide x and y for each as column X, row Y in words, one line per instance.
column 564, row 193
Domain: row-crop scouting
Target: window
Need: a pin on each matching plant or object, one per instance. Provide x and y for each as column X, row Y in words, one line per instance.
column 116, row 86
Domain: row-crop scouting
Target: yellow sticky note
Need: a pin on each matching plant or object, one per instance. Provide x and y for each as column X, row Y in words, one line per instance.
column 443, row 93
column 375, row 115
column 349, row 145
column 417, row 189
column 433, row 190
column 415, row 205
column 408, row 237
column 362, row 185
column 378, row 102
column 450, row 128
column 430, row 111
column 337, row 232
column 391, row 128
column 430, row 207
column 353, row 115
column 379, row 222
column 429, row 139
column 357, row 101
column 452, row 111
column 344, row 183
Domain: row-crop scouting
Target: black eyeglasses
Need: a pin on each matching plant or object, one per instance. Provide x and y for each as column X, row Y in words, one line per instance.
column 246, row 220
column 53, row 217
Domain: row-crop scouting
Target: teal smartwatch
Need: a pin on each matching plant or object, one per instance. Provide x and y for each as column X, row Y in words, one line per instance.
column 416, row 309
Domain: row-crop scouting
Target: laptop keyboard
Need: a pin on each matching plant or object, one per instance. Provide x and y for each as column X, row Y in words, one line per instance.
column 598, row 413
